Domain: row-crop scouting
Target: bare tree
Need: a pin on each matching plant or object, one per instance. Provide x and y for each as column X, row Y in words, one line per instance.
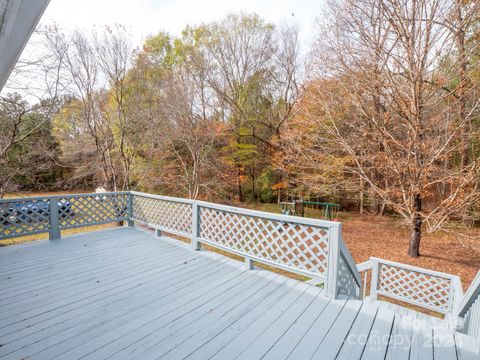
column 382, row 112
column 254, row 71
column 128, row 113
column 191, row 113
column 26, row 108
column 85, row 85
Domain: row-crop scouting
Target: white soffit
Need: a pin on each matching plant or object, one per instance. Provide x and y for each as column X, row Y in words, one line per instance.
column 18, row 19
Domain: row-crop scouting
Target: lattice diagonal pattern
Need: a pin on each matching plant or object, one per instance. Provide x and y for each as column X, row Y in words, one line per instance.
column 79, row 210
column 166, row 215
column 299, row 246
column 422, row 288
column 23, row 217
column 346, row 281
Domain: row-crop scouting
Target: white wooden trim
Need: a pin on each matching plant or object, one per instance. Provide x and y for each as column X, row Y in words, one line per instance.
column 195, row 220
column 308, row 274
column 350, row 262
column 414, row 268
column 364, row 266
column 161, row 197
column 413, row 302
column 267, row 215
column 470, row 296
column 333, row 260
column 374, row 279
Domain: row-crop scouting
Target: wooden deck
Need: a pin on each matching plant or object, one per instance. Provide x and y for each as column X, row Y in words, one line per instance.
column 125, row 294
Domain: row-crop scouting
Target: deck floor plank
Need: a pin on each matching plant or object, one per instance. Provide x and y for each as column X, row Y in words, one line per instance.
column 422, row 345
column 180, row 344
column 75, row 294
column 110, row 269
column 295, row 333
column 307, row 346
column 166, row 309
column 123, row 315
column 355, row 340
column 377, row 342
column 230, row 333
column 333, row 341
column 444, row 346
column 262, row 323
column 176, row 323
column 67, row 325
column 122, row 293
column 401, row 338
column 258, row 348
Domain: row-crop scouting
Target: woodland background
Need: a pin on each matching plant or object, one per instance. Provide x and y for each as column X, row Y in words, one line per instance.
column 381, row 115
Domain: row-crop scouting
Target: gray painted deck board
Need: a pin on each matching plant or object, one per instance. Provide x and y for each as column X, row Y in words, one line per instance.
column 309, row 343
column 354, row 342
column 333, row 341
column 124, row 294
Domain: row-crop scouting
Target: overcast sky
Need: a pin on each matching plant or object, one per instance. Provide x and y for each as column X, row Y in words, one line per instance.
column 148, row 17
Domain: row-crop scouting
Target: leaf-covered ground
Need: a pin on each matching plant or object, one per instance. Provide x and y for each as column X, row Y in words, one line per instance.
column 385, row 237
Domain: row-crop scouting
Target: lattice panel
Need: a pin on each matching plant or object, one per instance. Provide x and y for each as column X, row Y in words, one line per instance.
column 166, row 215
column 84, row 210
column 24, row 217
column 425, row 289
column 299, row 246
column 346, row 281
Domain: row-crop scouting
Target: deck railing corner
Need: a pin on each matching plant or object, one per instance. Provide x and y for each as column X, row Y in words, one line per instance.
column 468, row 310
column 309, row 247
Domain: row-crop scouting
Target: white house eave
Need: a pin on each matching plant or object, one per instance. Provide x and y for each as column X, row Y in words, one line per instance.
column 18, row 19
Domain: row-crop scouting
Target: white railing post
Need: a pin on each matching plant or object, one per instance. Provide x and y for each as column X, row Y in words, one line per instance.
column 333, row 260
column 365, row 278
column 248, row 263
column 374, row 279
column 195, row 220
column 130, row 210
column 468, row 310
column 54, row 232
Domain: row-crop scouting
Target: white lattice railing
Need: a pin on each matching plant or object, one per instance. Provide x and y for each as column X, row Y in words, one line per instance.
column 309, row 247
column 299, row 245
column 92, row 209
column 20, row 217
column 35, row 215
column 425, row 288
column 469, row 310
column 163, row 213
column 349, row 282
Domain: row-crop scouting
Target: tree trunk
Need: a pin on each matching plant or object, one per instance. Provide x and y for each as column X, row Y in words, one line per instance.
column 414, row 248
column 239, row 184
column 462, row 101
column 382, row 208
column 361, row 205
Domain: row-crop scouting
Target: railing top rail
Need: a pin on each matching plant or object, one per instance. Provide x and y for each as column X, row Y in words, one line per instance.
column 23, row 199
column 60, row 196
column 415, row 268
column 111, row 193
column 161, row 197
column 366, row 265
column 272, row 216
column 472, row 293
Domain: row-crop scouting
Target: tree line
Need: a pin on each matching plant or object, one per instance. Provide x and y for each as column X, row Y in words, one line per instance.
column 384, row 108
